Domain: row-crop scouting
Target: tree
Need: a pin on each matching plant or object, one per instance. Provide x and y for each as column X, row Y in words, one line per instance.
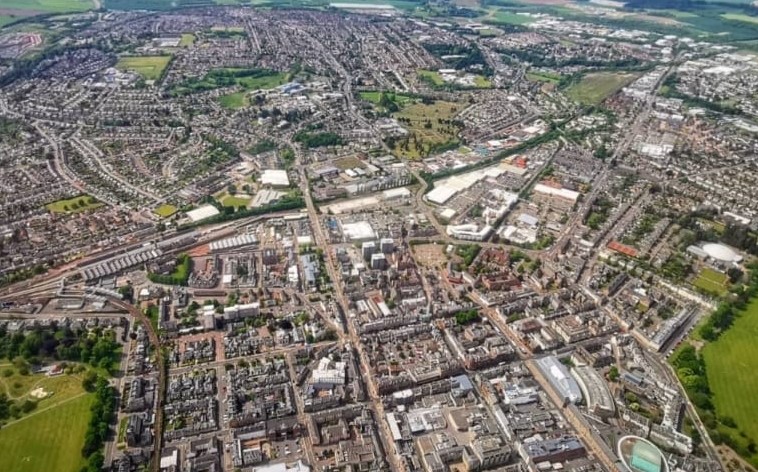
column 28, row 406
column 5, row 406
column 89, row 381
column 613, row 374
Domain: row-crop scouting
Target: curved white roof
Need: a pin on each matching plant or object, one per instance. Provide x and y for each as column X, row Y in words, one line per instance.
column 721, row 252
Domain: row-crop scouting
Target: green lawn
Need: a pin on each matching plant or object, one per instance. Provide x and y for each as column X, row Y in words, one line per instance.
column 74, row 205
column 233, row 201
column 248, row 79
column 48, row 6
column 234, row 101
column 731, row 363
column 187, row 40
column 371, row 96
column 482, row 82
column 263, row 82
column 48, row 440
column 58, row 388
column 149, row 67
column 595, row 87
column 432, row 76
column 712, row 281
column 121, row 438
column 165, row 210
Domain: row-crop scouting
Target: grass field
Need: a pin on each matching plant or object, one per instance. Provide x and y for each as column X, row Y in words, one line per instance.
column 48, row 6
column 74, row 205
column 187, row 40
column 235, row 201
column 60, row 388
column 432, row 76
column 593, row 88
column 374, row 97
column 482, row 82
column 234, row 101
column 165, row 210
column 47, row 440
column 345, row 163
column 265, row 82
column 509, row 18
column 149, row 67
column 248, row 79
column 438, row 134
column 712, row 281
column 740, row 17
column 730, row 363
column 543, row 77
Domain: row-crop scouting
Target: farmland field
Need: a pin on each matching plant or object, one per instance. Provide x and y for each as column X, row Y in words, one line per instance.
column 48, row 6
column 153, row 4
column 730, row 363
column 509, row 18
column 596, row 87
column 741, row 17
column 74, row 205
column 149, row 67
column 711, row 281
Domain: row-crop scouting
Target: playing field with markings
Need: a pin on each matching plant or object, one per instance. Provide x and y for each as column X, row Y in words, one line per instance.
column 731, row 363
column 49, row 439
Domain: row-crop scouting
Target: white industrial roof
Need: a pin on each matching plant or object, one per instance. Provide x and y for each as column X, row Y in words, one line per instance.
column 446, row 188
column 558, row 192
column 396, row 193
column 227, row 243
column 358, row 231
column 528, row 219
column 299, row 466
column 205, row 211
column 448, row 213
column 275, row 177
column 441, row 194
